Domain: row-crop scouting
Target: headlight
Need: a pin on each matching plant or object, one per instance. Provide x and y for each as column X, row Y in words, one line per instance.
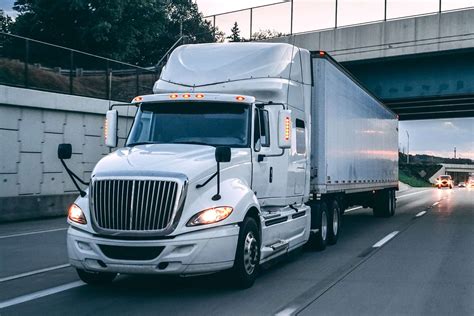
column 76, row 215
column 209, row 216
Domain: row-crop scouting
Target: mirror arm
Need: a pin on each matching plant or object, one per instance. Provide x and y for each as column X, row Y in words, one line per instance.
column 217, row 197
column 198, row 186
column 74, row 177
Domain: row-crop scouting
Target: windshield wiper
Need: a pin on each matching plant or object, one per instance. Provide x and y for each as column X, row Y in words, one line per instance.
column 191, row 142
column 140, row 143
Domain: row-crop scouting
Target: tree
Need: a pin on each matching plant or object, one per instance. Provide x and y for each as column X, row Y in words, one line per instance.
column 235, row 34
column 134, row 31
column 266, row 34
column 5, row 22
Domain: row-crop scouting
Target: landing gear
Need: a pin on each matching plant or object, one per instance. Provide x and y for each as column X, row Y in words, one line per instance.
column 334, row 223
column 319, row 226
column 384, row 203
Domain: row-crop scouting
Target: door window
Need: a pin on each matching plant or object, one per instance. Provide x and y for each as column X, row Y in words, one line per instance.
column 300, row 137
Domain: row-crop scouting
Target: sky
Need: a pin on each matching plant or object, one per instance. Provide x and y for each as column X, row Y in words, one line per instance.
column 434, row 137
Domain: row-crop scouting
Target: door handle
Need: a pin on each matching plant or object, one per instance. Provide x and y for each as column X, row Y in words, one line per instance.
column 271, row 175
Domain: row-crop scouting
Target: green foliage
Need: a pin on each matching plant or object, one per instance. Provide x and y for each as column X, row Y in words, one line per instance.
column 134, row 31
column 5, row 22
column 412, row 180
column 235, row 34
column 265, row 34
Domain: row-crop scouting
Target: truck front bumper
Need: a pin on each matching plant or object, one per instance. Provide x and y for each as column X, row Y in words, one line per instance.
column 208, row 250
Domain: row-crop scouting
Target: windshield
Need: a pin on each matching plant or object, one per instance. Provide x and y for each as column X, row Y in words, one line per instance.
column 206, row 123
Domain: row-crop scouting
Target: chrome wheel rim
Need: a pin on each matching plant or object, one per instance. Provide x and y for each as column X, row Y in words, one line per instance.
column 250, row 253
column 324, row 225
column 335, row 221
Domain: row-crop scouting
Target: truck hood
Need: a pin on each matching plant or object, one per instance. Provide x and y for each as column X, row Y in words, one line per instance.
column 193, row 161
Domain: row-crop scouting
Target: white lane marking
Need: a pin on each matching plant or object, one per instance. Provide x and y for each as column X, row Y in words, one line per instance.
column 40, row 294
column 434, row 204
column 286, row 311
column 33, row 233
column 22, row 275
column 420, row 214
column 384, row 240
column 413, row 193
column 353, row 209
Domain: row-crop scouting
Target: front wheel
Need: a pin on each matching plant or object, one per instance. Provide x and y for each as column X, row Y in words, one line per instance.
column 247, row 256
column 96, row 278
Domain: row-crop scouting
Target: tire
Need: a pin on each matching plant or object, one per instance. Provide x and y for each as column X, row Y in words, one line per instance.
column 319, row 221
column 247, row 257
column 96, row 278
column 334, row 222
column 384, row 204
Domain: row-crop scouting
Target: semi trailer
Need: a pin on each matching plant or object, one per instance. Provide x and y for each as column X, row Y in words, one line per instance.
column 245, row 152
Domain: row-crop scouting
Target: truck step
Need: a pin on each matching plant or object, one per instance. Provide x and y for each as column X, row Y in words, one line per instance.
column 280, row 245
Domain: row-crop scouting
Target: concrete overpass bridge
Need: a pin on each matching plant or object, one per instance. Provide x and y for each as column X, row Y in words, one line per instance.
column 459, row 172
column 421, row 67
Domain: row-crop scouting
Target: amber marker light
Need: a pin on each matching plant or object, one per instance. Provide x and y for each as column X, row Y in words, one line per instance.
column 138, row 99
column 186, row 95
column 240, row 98
column 199, row 96
column 173, row 96
column 322, row 53
column 76, row 215
column 287, row 128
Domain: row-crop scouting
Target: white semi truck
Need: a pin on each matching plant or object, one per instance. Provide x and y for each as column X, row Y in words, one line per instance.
column 245, row 152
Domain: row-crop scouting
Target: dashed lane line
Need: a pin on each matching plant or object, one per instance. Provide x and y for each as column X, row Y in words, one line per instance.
column 385, row 240
column 34, row 233
column 40, row 294
column 26, row 274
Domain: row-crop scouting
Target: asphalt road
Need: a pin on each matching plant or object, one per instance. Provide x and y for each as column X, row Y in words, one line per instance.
column 420, row 262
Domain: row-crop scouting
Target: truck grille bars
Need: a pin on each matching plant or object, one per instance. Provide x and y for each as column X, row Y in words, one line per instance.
column 133, row 205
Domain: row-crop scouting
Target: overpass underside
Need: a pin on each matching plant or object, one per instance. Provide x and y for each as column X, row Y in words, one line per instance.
column 422, row 86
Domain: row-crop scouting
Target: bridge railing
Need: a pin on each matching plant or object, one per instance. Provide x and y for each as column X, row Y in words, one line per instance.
column 289, row 17
column 33, row 64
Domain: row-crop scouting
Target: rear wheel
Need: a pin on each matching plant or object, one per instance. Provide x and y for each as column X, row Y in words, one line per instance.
column 247, row 257
column 319, row 226
column 96, row 278
column 334, row 223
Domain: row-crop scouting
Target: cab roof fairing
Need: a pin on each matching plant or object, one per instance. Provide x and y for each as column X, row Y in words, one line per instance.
column 209, row 64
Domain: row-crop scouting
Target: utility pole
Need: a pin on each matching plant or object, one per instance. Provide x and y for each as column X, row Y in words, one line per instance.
column 408, row 147
column 454, row 152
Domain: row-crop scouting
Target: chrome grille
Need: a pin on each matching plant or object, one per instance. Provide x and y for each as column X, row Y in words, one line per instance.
column 133, row 205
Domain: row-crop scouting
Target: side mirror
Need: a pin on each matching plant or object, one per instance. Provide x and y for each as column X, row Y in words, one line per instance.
column 110, row 128
column 64, row 151
column 284, row 129
column 223, row 154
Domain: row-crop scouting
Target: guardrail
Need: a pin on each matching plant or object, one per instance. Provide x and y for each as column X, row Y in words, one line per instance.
column 33, row 64
column 300, row 16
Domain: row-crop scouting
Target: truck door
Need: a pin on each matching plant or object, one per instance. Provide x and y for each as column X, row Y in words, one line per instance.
column 269, row 172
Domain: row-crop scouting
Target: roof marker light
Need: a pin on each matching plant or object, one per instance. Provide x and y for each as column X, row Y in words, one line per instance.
column 173, row 96
column 186, row 95
column 322, row 53
column 199, row 96
column 137, row 99
column 240, row 98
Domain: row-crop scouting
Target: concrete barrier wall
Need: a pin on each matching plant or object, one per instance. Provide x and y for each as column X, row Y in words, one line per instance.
column 33, row 182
